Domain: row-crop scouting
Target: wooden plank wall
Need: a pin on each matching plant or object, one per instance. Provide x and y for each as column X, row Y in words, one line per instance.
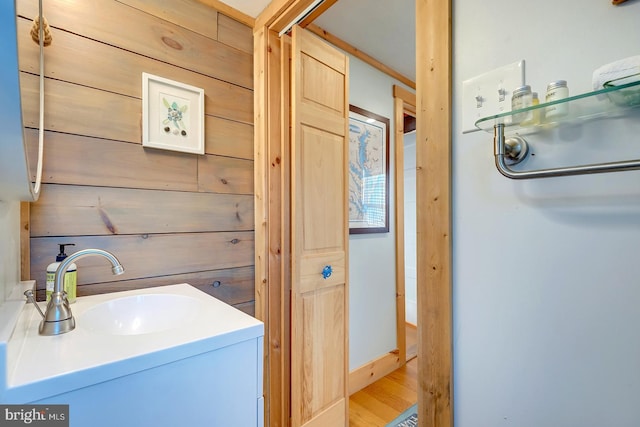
column 169, row 217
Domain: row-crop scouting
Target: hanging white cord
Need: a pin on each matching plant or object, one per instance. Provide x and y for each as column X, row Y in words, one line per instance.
column 36, row 188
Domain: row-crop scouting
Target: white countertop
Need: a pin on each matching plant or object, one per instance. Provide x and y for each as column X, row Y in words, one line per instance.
column 41, row 366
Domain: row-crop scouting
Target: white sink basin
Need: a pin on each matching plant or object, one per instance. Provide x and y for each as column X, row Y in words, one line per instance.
column 127, row 343
column 140, row 314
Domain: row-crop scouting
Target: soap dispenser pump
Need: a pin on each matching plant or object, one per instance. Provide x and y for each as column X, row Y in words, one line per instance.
column 70, row 277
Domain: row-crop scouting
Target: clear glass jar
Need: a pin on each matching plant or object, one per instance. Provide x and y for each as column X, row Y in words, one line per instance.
column 534, row 115
column 555, row 91
column 521, row 98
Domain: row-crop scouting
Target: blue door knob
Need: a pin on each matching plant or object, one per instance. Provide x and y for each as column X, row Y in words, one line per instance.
column 326, row 271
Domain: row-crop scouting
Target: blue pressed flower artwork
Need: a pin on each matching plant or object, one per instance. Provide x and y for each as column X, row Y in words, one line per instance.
column 175, row 117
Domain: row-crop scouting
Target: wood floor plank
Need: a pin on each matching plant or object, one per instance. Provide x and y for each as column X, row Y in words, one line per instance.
column 382, row 401
column 360, row 415
column 391, row 394
column 405, row 376
column 381, row 410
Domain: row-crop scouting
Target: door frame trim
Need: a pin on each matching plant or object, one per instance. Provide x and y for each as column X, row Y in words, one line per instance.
column 403, row 101
column 434, row 216
column 433, row 146
column 271, row 207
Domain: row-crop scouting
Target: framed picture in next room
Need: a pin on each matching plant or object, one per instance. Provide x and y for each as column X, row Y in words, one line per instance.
column 368, row 172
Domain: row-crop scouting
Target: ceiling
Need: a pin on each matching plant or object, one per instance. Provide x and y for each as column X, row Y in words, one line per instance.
column 248, row 7
column 383, row 29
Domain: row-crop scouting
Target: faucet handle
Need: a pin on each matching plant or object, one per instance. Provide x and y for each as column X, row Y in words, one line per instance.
column 30, row 299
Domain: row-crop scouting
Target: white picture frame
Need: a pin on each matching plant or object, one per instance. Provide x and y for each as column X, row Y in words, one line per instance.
column 172, row 115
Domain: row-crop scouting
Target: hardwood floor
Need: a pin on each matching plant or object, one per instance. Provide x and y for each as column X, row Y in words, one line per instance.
column 382, row 401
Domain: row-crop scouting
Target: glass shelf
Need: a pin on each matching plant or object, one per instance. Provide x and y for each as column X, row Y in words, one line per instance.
column 613, row 100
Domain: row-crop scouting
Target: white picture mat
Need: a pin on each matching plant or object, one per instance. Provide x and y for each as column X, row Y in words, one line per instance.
column 185, row 134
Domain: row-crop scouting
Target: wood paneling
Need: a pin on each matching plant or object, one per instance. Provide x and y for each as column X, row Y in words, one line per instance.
column 25, row 241
column 189, row 14
column 65, row 210
column 224, row 8
column 225, row 175
column 247, row 307
column 82, row 110
column 147, row 255
column 120, row 71
column 235, row 34
column 232, row 285
column 169, row 217
column 81, row 160
column 227, row 138
column 127, row 28
column 122, row 123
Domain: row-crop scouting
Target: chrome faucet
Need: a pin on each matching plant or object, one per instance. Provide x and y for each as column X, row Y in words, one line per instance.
column 57, row 318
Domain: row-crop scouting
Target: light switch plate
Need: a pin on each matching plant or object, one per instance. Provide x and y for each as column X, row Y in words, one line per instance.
column 489, row 93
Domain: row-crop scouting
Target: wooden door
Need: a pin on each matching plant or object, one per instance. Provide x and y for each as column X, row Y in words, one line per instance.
column 319, row 239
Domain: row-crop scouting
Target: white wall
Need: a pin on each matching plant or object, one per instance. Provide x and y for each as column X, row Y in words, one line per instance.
column 372, row 271
column 546, row 273
column 9, row 247
column 410, row 231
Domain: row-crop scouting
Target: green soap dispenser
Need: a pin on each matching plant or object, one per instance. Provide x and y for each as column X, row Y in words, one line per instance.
column 70, row 277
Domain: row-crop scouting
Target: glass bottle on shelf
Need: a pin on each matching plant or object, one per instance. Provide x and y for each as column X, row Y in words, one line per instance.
column 555, row 91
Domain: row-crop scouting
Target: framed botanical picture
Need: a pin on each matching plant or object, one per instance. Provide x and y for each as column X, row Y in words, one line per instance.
column 368, row 172
column 172, row 115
